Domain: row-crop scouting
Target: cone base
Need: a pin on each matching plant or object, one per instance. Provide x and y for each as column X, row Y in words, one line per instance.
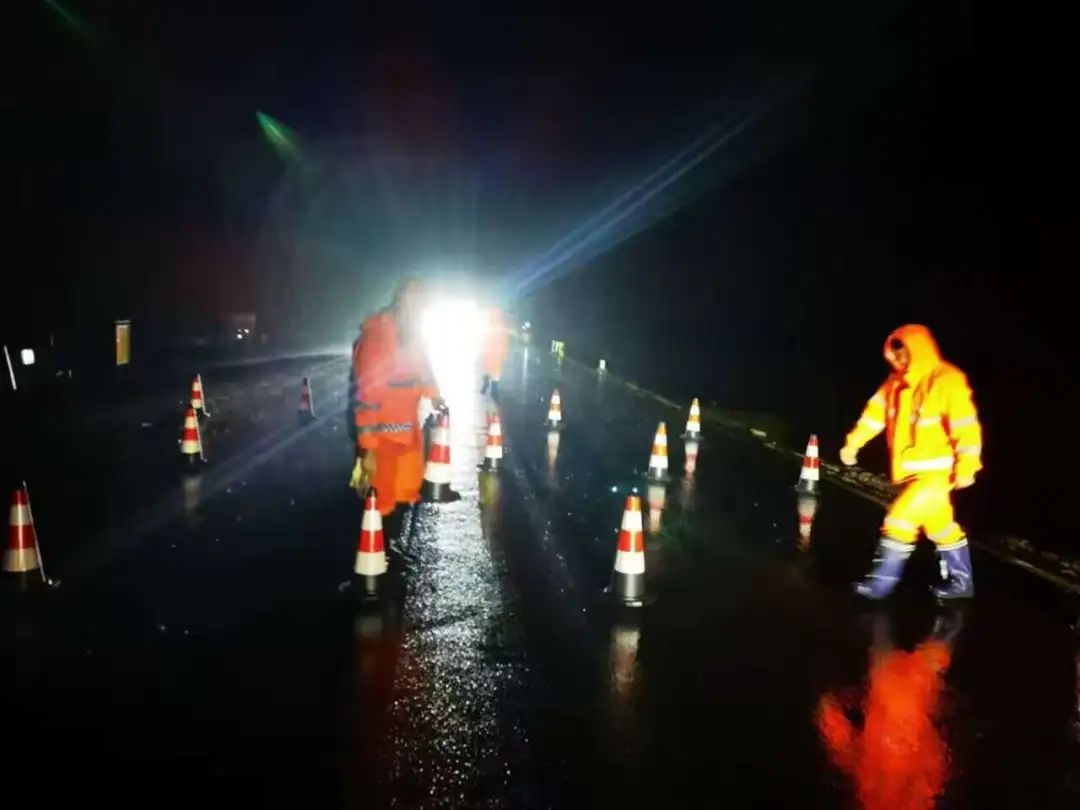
column 21, row 560
column 305, row 417
column 490, row 465
column 553, row 425
column 652, row 477
column 191, row 458
column 692, row 437
column 367, row 588
column 438, row 493
column 627, row 589
column 808, row 487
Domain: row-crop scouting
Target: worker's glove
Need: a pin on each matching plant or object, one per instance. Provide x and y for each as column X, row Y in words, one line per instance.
column 964, row 483
column 849, row 455
column 363, row 472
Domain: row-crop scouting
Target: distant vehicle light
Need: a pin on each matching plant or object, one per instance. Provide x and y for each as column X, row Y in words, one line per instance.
column 27, row 356
column 451, row 332
column 526, row 325
column 239, row 335
column 247, row 331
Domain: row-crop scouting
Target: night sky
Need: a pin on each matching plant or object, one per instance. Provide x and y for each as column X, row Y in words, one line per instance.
column 901, row 161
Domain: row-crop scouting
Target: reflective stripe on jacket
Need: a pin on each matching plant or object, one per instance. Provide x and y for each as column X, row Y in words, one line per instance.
column 927, row 413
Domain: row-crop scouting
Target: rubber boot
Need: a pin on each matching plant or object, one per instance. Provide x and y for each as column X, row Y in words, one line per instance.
column 486, row 384
column 889, row 561
column 494, row 388
column 958, row 580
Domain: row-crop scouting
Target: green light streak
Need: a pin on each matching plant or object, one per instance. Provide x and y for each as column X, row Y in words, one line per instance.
column 279, row 136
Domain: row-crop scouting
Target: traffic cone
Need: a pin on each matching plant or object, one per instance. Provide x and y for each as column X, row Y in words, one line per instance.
column 493, row 452
column 692, row 448
column 306, row 412
column 658, row 461
column 628, row 579
column 370, row 548
column 436, row 486
column 810, row 474
column 554, row 418
column 693, row 422
column 191, row 440
column 21, row 554
column 197, row 401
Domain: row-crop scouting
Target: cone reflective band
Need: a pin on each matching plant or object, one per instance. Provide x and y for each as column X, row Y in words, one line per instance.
column 191, row 442
column 21, row 553
column 437, row 468
column 693, row 421
column 658, row 461
column 370, row 548
column 628, row 580
column 692, row 448
column 811, row 469
column 306, row 408
column 493, row 452
column 554, row 419
column 197, row 393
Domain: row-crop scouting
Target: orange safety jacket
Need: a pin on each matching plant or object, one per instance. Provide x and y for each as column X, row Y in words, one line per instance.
column 927, row 413
column 391, row 378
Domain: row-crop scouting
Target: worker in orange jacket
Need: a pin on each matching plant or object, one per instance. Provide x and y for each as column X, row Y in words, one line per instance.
column 926, row 409
column 898, row 759
column 495, row 346
column 392, row 375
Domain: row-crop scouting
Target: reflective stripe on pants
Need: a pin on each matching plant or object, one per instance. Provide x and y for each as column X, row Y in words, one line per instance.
column 923, row 504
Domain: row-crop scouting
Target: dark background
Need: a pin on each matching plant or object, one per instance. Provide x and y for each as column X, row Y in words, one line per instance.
column 913, row 165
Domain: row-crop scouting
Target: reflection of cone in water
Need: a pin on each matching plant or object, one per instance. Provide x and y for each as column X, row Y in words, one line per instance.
column 807, row 507
column 192, row 486
column 370, row 549
column 436, row 486
column 493, row 452
column 658, row 461
column 625, row 640
column 554, row 418
column 552, row 451
column 692, row 448
column 656, row 495
column 21, row 553
column 628, row 579
column 693, row 421
column 306, row 411
column 197, row 401
column 810, row 474
column 191, row 440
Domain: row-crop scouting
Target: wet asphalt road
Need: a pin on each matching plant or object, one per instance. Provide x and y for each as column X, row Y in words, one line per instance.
column 204, row 643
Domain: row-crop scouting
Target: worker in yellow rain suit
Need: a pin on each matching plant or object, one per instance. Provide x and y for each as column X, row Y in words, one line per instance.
column 392, row 375
column 925, row 408
column 494, row 348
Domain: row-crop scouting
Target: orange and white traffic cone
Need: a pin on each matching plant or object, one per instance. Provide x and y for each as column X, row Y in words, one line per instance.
column 628, row 579
column 658, row 461
column 436, row 486
column 554, row 418
column 21, row 554
column 810, row 475
column 306, row 411
column 370, row 548
column 191, row 440
column 692, row 449
column 198, row 403
column 493, row 452
column 693, row 422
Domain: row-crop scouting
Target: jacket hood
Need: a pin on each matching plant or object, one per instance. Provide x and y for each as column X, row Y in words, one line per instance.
column 922, row 347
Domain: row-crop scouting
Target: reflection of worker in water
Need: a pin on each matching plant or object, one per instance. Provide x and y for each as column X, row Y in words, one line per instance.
column 494, row 348
column 392, row 375
column 898, row 759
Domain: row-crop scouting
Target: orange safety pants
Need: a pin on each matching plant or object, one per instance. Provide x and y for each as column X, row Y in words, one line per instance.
column 924, row 504
column 399, row 472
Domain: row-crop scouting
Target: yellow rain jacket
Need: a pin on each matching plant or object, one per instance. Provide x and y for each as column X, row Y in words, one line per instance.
column 927, row 414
